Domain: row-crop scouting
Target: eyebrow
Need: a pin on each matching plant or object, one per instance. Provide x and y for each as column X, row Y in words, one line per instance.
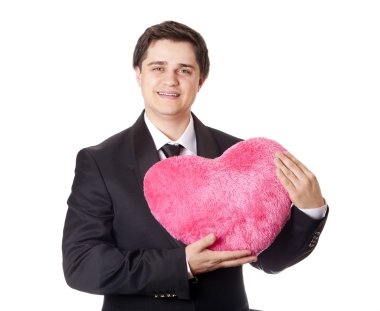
column 163, row 63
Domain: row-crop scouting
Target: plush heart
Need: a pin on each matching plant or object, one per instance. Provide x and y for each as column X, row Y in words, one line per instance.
column 236, row 196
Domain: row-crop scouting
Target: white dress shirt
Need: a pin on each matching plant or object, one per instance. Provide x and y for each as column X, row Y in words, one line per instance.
column 187, row 140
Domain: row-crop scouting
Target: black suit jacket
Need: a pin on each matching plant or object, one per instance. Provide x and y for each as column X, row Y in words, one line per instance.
column 112, row 245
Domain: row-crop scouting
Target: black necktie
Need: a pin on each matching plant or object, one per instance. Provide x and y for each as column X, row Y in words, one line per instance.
column 171, row 150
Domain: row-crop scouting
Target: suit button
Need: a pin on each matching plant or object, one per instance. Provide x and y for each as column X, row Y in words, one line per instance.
column 194, row 280
column 156, row 296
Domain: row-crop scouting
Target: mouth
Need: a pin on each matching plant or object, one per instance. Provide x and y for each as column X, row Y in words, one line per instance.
column 168, row 94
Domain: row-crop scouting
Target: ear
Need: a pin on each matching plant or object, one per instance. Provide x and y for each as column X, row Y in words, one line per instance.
column 138, row 75
column 200, row 83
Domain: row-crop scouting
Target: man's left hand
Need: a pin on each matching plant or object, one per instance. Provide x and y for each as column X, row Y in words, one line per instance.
column 301, row 184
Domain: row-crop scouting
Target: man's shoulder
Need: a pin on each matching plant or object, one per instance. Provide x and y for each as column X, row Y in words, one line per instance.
column 118, row 141
column 111, row 144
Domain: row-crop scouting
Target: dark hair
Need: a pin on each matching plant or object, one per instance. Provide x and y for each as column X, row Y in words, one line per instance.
column 176, row 32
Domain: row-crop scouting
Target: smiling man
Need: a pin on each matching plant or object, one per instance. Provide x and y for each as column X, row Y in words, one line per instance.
column 113, row 246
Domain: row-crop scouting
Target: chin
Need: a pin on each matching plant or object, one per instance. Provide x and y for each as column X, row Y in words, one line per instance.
column 173, row 114
column 174, row 111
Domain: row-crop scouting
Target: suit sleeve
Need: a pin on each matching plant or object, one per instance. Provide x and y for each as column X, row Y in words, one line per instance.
column 295, row 242
column 91, row 260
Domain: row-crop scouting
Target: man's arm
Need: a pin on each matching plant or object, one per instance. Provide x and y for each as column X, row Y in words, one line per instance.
column 91, row 260
column 295, row 242
column 301, row 233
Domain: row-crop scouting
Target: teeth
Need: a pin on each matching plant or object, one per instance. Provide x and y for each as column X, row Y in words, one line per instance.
column 168, row 94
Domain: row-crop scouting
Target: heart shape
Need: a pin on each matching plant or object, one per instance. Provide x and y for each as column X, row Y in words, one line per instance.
column 236, row 196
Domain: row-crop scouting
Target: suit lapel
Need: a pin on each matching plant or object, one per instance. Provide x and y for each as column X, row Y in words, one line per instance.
column 144, row 148
column 206, row 144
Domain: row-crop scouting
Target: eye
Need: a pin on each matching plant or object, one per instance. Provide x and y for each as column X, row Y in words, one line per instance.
column 158, row 69
column 185, row 71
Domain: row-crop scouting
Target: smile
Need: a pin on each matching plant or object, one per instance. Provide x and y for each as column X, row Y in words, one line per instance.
column 168, row 94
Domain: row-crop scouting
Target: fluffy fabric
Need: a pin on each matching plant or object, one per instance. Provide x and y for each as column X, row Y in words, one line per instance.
column 236, row 196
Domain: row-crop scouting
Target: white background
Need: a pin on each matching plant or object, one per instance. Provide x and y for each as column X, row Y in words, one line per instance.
column 304, row 73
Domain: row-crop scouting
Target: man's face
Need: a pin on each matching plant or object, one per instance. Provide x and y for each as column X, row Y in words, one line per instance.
column 169, row 79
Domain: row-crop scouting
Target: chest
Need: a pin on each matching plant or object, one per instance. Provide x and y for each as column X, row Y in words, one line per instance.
column 134, row 226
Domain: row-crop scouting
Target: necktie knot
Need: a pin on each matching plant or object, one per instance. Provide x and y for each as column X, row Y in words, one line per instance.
column 171, row 150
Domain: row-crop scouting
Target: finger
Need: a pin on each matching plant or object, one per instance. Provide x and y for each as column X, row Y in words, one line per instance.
column 221, row 256
column 237, row 262
column 297, row 162
column 285, row 174
column 289, row 168
column 285, row 181
column 204, row 243
column 308, row 177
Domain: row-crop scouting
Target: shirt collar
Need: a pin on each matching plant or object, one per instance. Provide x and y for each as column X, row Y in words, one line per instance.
column 187, row 140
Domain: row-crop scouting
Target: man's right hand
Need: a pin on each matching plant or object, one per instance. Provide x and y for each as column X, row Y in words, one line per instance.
column 203, row 260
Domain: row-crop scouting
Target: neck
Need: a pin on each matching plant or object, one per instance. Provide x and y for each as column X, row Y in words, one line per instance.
column 172, row 126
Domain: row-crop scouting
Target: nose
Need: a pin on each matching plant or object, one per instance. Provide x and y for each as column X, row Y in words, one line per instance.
column 171, row 79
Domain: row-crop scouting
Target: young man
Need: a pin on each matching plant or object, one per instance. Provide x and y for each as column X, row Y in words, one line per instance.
column 113, row 246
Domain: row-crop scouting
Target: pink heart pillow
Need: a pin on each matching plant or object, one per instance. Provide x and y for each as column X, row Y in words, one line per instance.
column 237, row 196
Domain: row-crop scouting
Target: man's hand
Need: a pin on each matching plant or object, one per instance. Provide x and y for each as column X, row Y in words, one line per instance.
column 203, row 260
column 301, row 184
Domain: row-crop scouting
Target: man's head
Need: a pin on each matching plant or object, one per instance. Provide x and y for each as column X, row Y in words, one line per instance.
column 171, row 65
column 176, row 32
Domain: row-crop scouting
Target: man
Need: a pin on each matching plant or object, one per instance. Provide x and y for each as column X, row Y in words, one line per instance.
column 113, row 246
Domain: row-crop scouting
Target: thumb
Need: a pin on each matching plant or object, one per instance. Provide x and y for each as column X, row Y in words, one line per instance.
column 205, row 242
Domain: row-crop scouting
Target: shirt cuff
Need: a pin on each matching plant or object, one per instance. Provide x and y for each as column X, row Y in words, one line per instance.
column 189, row 274
column 315, row 213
